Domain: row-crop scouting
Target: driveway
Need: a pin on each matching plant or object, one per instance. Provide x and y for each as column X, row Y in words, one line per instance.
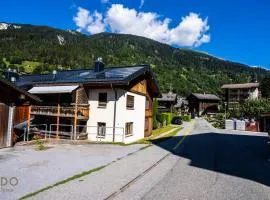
column 37, row 169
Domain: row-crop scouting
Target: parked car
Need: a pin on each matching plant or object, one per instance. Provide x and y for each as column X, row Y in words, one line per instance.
column 177, row 120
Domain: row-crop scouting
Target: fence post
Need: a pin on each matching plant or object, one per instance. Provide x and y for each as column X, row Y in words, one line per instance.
column 45, row 131
column 72, row 129
column 24, row 134
column 123, row 135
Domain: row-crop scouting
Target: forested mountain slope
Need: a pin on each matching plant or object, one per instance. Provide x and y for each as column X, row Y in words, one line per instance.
column 40, row 49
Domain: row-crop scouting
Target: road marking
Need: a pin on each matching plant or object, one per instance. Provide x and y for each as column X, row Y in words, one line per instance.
column 186, row 133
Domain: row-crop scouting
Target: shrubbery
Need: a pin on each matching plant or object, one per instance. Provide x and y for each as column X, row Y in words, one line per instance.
column 252, row 108
column 165, row 118
column 187, row 118
column 155, row 113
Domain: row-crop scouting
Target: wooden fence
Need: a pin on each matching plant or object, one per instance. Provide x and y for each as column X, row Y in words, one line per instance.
column 3, row 124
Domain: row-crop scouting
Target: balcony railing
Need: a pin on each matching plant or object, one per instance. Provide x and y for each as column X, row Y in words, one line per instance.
column 82, row 111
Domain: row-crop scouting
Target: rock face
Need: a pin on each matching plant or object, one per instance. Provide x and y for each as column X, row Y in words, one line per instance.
column 61, row 39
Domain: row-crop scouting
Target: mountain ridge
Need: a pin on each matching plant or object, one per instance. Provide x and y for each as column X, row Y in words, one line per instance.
column 41, row 49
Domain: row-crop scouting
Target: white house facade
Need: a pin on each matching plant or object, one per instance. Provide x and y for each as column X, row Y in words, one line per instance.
column 128, row 122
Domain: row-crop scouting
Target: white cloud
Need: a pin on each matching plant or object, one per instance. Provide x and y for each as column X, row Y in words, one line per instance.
column 192, row 30
column 92, row 23
column 142, row 3
column 97, row 25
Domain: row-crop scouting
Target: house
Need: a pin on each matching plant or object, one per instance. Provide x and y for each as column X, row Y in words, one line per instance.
column 13, row 102
column 182, row 105
column 100, row 104
column 237, row 93
column 166, row 102
column 201, row 104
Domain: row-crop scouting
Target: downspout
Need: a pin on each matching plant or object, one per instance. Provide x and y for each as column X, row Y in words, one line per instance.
column 114, row 111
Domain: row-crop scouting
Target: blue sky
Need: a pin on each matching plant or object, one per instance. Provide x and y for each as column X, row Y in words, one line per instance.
column 233, row 30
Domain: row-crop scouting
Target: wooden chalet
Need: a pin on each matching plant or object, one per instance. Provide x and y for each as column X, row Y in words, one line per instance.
column 166, row 102
column 99, row 103
column 200, row 104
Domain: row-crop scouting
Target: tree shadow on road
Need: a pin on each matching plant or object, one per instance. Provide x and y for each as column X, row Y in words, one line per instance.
column 242, row 156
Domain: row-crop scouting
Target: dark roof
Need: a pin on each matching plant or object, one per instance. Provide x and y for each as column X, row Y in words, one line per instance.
column 206, row 96
column 114, row 75
column 168, row 97
column 12, row 94
column 241, row 85
column 181, row 102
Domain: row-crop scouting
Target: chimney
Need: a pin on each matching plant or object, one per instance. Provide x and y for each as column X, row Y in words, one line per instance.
column 11, row 75
column 54, row 74
column 99, row 65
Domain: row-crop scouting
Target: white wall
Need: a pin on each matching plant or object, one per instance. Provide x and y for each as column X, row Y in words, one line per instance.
column 123, row 115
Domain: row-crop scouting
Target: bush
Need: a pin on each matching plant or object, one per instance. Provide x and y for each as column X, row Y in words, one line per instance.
column 169, row 118
column 251, row 108
column 187, row 118
column 165, row 118
column 162, row 118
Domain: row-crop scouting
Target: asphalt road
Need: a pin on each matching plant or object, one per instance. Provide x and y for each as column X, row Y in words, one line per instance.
column 199, row 163
column 215, row 165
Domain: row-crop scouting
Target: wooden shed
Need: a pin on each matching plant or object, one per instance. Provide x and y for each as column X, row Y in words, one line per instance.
column 14, row 104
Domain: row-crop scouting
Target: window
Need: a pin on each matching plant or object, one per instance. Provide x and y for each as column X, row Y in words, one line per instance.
column 102, row 100
column 129, row 129
column 130, row 102
column 101, row 129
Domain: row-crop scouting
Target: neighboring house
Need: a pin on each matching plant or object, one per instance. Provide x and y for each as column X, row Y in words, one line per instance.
column 201, row 104
column 167, row 102
column 13, row 102
column 236, row 93
column 182, row 105
column 100, row 104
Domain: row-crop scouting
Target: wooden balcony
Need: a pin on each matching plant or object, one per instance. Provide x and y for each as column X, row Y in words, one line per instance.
column 82, row 112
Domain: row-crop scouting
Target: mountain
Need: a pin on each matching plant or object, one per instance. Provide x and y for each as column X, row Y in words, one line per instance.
column 41, row 49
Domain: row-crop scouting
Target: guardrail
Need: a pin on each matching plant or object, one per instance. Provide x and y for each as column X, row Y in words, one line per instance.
column 66, row 131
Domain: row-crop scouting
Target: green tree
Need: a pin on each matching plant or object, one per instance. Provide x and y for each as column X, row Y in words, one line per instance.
column 155, row 113
column 265, row 87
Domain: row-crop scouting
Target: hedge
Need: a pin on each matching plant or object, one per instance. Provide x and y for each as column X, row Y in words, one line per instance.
column 187, row 118
column 165, row 118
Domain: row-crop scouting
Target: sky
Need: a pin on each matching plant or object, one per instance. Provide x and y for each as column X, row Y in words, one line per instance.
column 236, row 30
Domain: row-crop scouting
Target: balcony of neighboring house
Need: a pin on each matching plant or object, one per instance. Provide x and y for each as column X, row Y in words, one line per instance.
column 63, row 114
column 80, row 112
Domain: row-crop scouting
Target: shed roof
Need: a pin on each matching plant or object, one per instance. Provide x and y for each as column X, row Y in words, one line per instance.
column 206, row 96
column 53, row 89
column 240, row 86
column 10, row 94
